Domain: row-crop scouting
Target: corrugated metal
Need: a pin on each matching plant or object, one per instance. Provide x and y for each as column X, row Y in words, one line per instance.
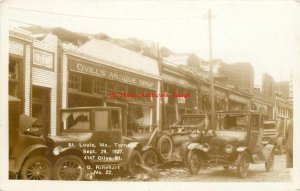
column 16, row 48
column 27, row 82
column 120, row 56
column 48, row 78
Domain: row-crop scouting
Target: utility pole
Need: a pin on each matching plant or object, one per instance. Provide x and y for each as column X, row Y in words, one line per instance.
column 160, row 67
column 211, row 73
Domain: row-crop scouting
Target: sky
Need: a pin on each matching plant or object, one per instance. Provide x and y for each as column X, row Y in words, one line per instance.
column 263, row 33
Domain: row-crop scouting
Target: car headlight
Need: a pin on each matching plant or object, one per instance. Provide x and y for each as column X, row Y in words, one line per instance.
column 228, row 148
column 57, row 150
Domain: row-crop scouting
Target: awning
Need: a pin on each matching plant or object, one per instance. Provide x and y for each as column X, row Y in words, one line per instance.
column 178, row 82
column 260, row 107
column 239, row 99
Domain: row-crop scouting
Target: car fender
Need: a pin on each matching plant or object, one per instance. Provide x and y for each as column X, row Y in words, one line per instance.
column 70, row 151
column 129, row 149
column 197, row 146
column 29, row 150
column 145, row 148
column 241, row 149
column 183, row 149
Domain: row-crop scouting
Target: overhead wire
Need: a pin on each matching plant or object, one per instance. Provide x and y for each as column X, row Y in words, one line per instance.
column 111, row 18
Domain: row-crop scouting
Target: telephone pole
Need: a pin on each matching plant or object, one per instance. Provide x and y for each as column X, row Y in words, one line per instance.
column 211, row 73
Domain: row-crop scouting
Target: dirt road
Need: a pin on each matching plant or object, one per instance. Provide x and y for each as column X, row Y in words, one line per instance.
column 257, row 173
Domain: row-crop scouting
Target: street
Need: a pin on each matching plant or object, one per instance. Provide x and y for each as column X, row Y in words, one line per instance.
column 257, row 173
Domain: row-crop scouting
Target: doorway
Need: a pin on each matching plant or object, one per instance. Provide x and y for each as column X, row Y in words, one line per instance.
column 41, row 109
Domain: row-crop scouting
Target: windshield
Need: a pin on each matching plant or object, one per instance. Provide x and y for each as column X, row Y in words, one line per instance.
column 232, row 122
column 75, row 120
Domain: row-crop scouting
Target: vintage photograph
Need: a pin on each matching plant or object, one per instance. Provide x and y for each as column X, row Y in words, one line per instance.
column 149, row 91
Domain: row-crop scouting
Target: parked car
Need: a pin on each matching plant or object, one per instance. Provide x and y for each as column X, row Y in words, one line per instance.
column 170, row 145
column 27, row 151
column 235, row 141
column 90, row 138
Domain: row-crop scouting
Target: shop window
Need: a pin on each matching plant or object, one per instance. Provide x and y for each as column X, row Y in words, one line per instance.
column 99, row 86
column 147, row 98
column 171, row 90
column 131, row 89
column 13, row 69
column 189, row 100
column 181, row 100
column 13, row 76
column 110, row 87
column 120, row 88
column 86, row 84
column 74, row 81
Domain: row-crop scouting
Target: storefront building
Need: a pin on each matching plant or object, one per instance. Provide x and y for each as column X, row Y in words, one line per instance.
column 263, row 103
column 33, row 76
column 183, row 98
column 20, row 43
column 100, row 73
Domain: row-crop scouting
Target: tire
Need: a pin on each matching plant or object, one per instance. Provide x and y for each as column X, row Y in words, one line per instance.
column 69, row 167
column 150, row 158
column 134, row 163
column 243, row 164
column 36, row 168
column 193, row 162
column 270, row 163
column 165, row 147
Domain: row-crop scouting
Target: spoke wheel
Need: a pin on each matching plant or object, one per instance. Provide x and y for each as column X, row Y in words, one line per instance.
column 69, row 168
column 270, row 163
column 165, row 147
column 193, row 162
column 243, row 164
column 36, row 168
column 150, row 158
column 134, row 163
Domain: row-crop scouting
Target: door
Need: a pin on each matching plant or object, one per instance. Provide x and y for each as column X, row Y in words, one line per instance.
column 41, row 110
column 255, row 139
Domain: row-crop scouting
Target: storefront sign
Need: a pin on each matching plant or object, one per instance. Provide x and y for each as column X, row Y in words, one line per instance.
column 43, row 59
column 113, row 74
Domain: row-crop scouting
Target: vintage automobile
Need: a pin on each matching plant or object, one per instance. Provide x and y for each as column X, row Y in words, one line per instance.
column 27, row 151
column 170, row 145
column 235, row 141
column 273, row 134
column 89, row 140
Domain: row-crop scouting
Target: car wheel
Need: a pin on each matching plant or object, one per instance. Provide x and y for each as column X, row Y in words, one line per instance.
column 69, row 168
column 165, row 147
column 150, row 158
column 270, row 163
column 243, row 164
column 134, row 163
column 226, row 167
column 36, row 168
column 193, row 161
